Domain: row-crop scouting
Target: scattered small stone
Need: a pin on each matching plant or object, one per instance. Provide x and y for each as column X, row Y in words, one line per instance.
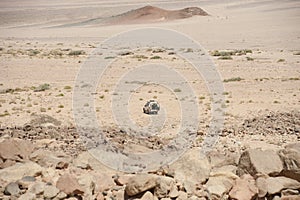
column 182, row 195
column 262, row 186
column 62, row 165
column 12, row 189
column 288, row 192
column 147, row 196
column 173, row 192
column 290, row 197
column 61, row 195
column 27, row 196
column 37, row 188
column 50, row 191
column 26, row 181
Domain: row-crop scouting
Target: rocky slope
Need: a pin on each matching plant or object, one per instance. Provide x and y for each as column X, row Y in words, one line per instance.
column 50, row 162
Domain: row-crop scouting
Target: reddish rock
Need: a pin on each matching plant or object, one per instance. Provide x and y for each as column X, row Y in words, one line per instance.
column 15, row 149
column 69, row 185
column 103, row 182
column 244, row 188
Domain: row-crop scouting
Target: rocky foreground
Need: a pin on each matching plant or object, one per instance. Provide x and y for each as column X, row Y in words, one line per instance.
column 30, row 172
column 39, row 162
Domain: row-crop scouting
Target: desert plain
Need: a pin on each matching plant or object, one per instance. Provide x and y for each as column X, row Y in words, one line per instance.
column 254, row 47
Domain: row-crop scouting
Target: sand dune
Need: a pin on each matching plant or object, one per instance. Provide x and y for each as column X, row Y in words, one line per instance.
column 151, row 14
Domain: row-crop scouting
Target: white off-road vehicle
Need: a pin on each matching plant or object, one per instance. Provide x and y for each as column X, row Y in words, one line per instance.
column 151, row 107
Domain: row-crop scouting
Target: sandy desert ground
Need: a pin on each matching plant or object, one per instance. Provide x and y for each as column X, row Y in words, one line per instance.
column 38, row 40
column 254, row 45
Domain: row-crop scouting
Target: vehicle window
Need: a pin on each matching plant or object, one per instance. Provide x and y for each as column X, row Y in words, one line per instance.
column 154, row 106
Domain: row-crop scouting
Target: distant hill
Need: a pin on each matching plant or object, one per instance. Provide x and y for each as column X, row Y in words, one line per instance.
column 151, row 14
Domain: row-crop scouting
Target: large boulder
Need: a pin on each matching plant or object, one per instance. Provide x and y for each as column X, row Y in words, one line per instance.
column 244, row 188
column 191, row 169
column 19, row 170
column 219, row 184
column 15, row 150
column 69, row 185
column 277, row 184
column 141, row 183
column 258, row 161
column 290, row 156
column 164, row 186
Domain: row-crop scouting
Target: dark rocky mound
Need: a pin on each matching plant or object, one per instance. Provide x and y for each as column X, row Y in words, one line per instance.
column 151, row 14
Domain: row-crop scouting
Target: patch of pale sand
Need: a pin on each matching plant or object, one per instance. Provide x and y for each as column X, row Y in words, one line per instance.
column 164, row 95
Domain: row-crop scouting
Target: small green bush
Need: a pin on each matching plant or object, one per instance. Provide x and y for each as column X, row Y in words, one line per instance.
column 177, row 90
column 297, row 53
column 76, row 52
column 6, row 113
column 231, row 53
column 42, row 87
column 155, row 57
column 67, row 87
column 233, row 79
column 140, row 57
column 109, row 57
column 33, row 52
